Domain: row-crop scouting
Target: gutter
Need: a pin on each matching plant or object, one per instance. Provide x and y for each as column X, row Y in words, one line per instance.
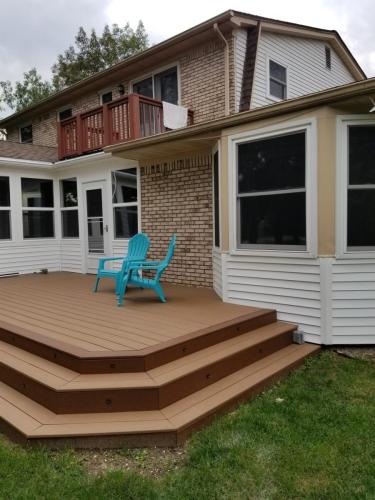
column 19, row 162
column 226, row 68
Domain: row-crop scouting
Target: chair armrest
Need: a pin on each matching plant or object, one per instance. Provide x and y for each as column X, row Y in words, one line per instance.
column 103, row 261
column 144, row 265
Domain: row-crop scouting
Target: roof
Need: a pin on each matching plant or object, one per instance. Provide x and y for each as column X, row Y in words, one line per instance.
column 31, row 152
column 227, row 21
column 208, row 132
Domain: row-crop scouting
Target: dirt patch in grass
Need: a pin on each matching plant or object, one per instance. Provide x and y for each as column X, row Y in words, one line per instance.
column 366, row 353
column 152, row 462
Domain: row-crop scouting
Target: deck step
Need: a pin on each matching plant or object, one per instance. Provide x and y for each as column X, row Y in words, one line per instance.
column 31, row 422
column 62, row 390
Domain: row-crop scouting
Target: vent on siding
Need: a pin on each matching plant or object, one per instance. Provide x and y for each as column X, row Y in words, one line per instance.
column 328, row 57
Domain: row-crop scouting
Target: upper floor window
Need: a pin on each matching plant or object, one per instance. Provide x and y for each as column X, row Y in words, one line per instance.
column 271, row 192
column 106, row 97
column 277, row 80
column 65, row 113
column 162, row 86
column 361, row 188
column 4, row 208
column 328, row 57
column 26, row 134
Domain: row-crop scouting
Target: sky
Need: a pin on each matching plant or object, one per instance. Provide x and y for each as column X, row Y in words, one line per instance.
column 33, row 32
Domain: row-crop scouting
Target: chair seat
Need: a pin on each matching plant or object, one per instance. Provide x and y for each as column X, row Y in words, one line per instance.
column 142, row 282
column 108, row 273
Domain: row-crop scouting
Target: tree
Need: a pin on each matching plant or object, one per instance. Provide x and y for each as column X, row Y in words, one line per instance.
column 26, row 92
column 94, row 53
column 89, row 55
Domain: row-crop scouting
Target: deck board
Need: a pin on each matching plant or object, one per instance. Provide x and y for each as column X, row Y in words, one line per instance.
column 63, row 308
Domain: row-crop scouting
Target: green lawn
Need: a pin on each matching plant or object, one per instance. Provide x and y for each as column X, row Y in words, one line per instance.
column 312, row 436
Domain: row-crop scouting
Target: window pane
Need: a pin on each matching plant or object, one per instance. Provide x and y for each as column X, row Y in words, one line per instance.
column 126, row 221
column 69, row 196
column 273, row 219
column 67, row 113
column 277, row 89
column 166, row 86
column 38, row 224
column 124, row 186
column 37, row 193
column 4, row 192
column 277, row 71
column 94, row 203
column 26, row 134
column 4, row 225
column 216, row 200
column 362, row 155
column 270, row 164
column 144, row 87
column 107, row 97
column 69, row 221
column 361, row 217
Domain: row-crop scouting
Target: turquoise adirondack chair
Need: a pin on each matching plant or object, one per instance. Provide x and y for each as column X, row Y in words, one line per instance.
column 134, row 277
column 137, row 252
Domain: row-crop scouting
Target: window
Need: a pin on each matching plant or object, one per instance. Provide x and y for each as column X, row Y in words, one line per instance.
column 69, row 208
column 37, row 208
column 26, row 134
column 328, row 57
column 162, row 86
column 65, row 113
column 107, row 97
column 5, row 233
column 271, row 193
column 125, row 202
column 361, row 188
column 216, row 201
column 277, row 80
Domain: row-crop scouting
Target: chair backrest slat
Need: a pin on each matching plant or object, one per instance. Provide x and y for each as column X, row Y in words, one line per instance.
column 138, row 247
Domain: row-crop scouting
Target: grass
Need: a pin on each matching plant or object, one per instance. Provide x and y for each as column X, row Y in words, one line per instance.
column 311, row 436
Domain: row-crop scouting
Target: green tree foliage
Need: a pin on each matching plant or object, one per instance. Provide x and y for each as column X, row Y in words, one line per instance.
column 89, row 54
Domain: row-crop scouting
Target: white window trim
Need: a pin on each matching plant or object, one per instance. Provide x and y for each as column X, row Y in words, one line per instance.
column 68, row 209
column 8, row 209
column 39, row 209
column 268, row 93
column 342, row 174
column 216, row 149
column 155, row 72
column 127, row 204
column 310, row 127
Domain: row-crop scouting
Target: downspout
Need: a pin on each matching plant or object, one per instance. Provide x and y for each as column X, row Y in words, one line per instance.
column 226, row 69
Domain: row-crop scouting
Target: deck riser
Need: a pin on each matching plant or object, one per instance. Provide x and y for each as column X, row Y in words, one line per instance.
column 138, row 361
column 115, row 400
column 161, row 439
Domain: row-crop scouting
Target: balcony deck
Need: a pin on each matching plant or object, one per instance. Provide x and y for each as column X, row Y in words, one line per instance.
column 130, row 117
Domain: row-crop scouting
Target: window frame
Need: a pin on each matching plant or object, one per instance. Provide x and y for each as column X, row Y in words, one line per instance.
column 268, row 86
column 309, row 127
column 20, row 133
column 105, row 92
column 8, row 209
column 68, row 209
column 61, row 110
column 152, row 75
column 343, row 122
column 39, row 209
column 126, row 204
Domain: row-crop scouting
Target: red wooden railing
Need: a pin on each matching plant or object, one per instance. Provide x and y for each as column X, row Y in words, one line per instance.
column 125, row 119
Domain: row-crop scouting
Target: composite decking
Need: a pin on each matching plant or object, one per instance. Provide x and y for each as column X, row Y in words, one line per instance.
column 77, row 369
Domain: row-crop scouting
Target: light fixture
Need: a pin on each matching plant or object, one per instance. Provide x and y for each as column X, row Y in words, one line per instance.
column 121, row 89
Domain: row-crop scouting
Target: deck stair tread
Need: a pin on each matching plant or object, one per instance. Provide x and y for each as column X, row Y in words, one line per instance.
column 34, row 422
column 59, row 378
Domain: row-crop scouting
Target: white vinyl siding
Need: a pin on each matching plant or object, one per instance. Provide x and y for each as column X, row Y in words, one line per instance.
column 29, row 257
column 240, row 43
column 306, row 63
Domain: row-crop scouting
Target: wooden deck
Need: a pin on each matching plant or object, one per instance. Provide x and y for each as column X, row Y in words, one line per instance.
column 76, row 369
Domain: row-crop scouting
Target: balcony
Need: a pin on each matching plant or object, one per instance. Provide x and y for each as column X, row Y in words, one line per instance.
column 125, row 119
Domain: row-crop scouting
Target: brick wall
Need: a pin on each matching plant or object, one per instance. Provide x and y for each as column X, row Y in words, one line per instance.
column 177, row 198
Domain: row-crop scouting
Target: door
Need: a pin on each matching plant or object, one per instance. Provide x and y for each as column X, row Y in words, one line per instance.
column 96, row 224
